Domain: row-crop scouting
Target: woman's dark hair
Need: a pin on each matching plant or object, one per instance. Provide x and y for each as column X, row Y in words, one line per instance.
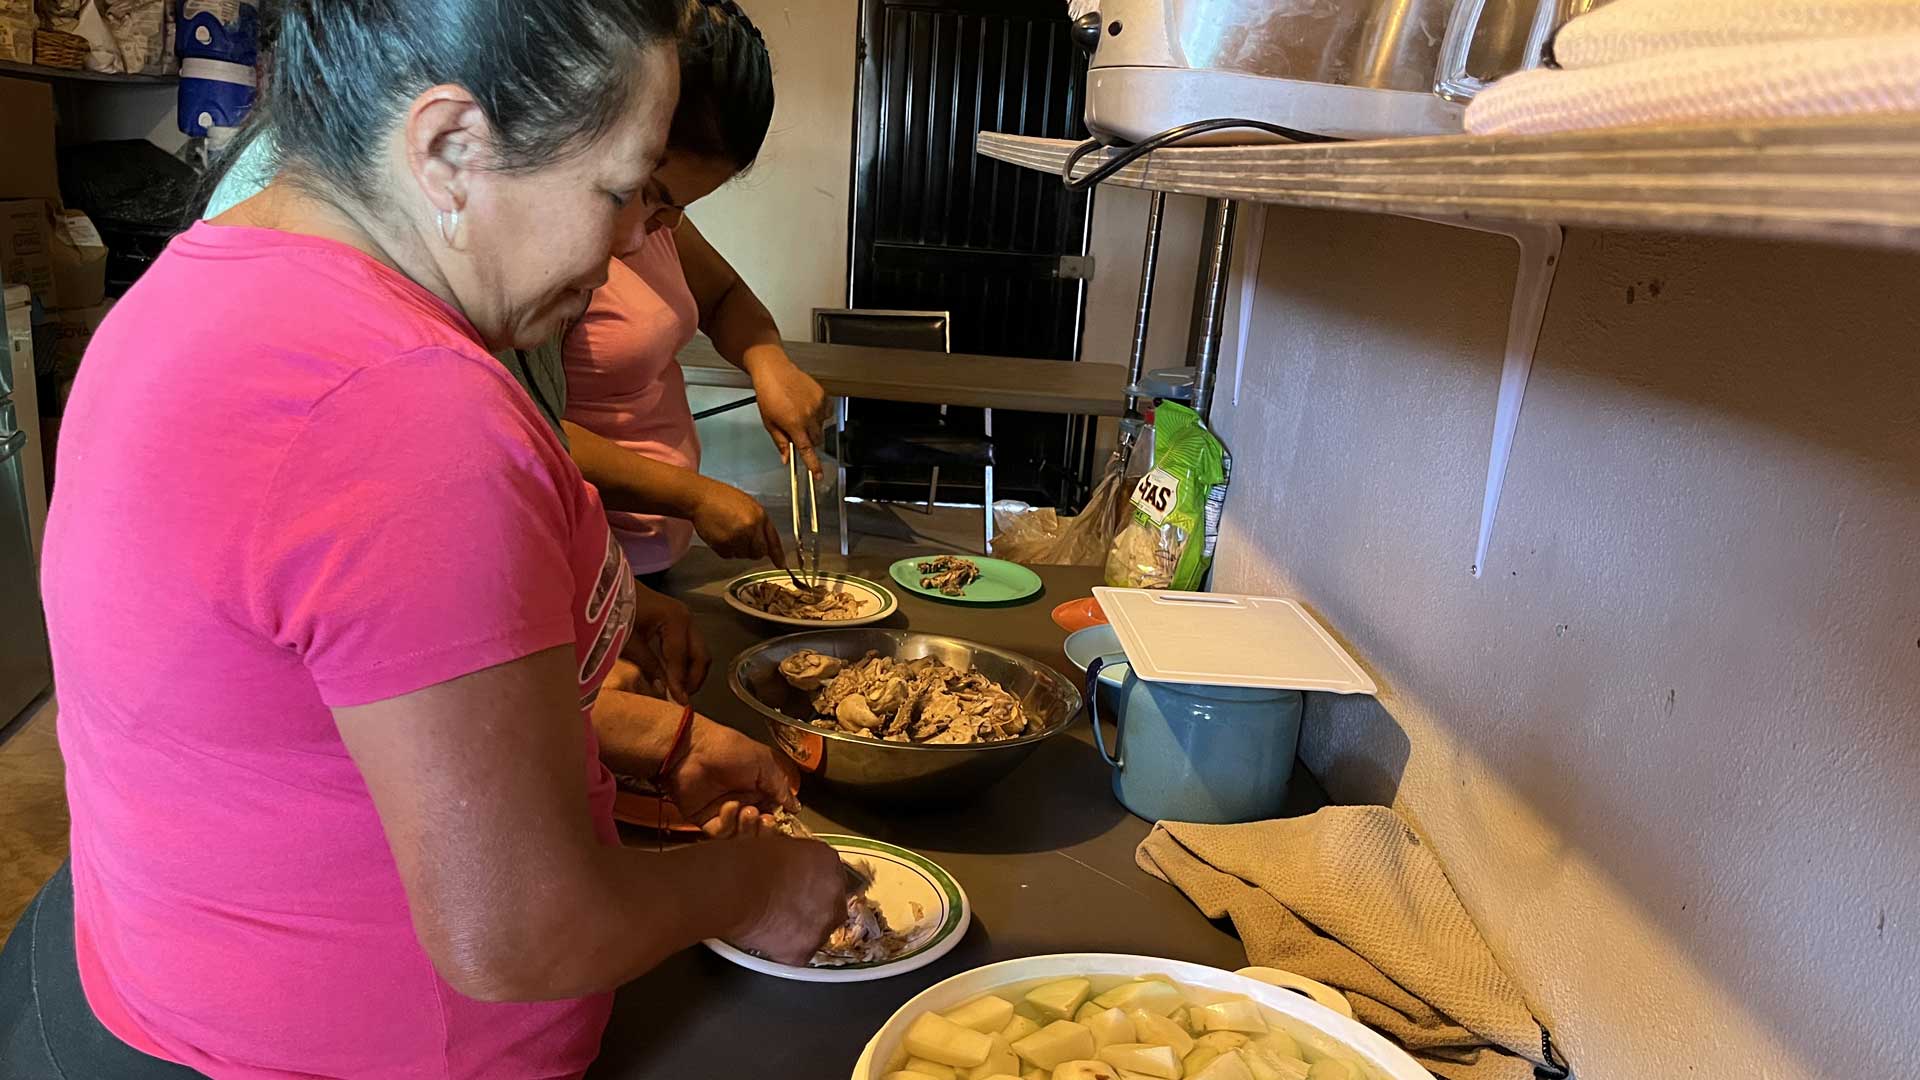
column 551, row 75
column 726, row 84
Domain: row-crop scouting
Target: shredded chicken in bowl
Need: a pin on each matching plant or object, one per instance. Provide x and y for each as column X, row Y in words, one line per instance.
column 806, row 602
column 915, row 701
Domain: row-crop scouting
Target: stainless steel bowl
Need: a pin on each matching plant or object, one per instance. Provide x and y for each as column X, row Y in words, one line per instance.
column 901, row 774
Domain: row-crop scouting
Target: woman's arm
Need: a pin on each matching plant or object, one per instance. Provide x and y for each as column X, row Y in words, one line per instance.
column 481, row 789
column 792, row 404
column 728, row 519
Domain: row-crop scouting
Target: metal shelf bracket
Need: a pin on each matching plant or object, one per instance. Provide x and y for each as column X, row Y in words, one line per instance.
column 1539, row 260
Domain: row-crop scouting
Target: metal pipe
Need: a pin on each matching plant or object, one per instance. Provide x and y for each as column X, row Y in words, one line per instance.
column 1149, row 262
column 1210, row 299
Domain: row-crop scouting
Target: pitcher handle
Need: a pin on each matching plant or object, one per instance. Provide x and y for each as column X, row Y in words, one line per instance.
column 1093, row 714
column 1450, row 78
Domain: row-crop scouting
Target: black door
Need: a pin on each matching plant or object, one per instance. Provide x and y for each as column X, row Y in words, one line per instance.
column 938, row 227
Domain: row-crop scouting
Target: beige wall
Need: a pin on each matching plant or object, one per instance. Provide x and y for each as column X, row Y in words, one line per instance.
column 1118, row 236
column 1669, row 745
column 784, row 224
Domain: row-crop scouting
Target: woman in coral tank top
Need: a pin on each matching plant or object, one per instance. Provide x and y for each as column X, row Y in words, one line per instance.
column 666, row 282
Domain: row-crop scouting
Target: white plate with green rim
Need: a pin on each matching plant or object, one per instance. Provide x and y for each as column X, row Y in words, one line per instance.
column 901, row 879
column 876, row 600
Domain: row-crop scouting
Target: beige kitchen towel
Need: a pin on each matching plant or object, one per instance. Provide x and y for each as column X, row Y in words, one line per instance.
column 1626, row 30
column 1352, row 897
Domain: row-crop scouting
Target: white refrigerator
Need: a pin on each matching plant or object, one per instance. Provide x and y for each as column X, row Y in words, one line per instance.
column 26, row 669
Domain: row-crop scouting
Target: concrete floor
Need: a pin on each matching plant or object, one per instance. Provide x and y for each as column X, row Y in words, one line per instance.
column 33, row 812
column 33, row 801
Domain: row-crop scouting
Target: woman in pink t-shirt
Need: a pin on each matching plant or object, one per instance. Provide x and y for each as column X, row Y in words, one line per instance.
column 331, row 607
column 665, row 282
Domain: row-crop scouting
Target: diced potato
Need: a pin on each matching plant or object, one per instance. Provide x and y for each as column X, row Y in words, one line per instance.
column 1149, row 1028
column 1087, row 1009
column 936, row 1038
column 1037, row 1073
column 1004, row 1076
column 1152, row 995
column 1143, row 1058
column 1330, row 1069
column 1001, row 1059
column 905, row 1075
column 1222, row 1041
column 1059, row 1000
column 1058, row 1042
column 1199, row 1059
column 930, row 1068
column 1228, row 1066
column 1184, row 1017
column 1267, row 1065
column 1234, row 1015
column 988, row 1015
column 1110, row 1026
column 1018, row 1028
column 1085, row 1070
column 1281, row 1043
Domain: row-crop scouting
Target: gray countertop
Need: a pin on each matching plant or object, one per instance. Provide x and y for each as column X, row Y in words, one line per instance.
column 1046, row 858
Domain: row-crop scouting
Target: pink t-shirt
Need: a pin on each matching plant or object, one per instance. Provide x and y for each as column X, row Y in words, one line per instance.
column 291, row 479
column 624, row 384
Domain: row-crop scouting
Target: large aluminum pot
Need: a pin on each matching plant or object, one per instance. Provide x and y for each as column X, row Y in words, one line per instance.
column 893, row 773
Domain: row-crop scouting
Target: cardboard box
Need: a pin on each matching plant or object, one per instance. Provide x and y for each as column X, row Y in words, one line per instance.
column 62, row 338
column 79, row 262
column 27, row 169
column 16, row 42
column 26, row 248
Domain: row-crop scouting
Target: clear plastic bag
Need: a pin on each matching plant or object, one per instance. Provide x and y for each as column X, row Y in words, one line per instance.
column 1043, row 537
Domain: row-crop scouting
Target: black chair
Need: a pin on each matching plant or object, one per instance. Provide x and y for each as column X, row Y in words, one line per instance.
column 916, row 442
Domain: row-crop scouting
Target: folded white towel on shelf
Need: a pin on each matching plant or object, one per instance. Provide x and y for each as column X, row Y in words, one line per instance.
column 1627, row 30
column 1742, row 83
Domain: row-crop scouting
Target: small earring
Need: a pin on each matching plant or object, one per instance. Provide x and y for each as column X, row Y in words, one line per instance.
column 449, row 223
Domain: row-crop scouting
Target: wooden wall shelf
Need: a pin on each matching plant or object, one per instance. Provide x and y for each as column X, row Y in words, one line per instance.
column 10, row 69
column 1847, row 181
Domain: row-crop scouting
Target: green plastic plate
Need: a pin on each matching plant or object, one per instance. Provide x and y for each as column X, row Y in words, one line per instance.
column 1001, row 582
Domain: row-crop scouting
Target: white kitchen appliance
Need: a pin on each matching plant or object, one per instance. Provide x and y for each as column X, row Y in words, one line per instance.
column 1351, row 69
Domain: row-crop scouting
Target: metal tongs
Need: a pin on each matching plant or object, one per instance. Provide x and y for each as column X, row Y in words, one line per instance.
column 806, row 547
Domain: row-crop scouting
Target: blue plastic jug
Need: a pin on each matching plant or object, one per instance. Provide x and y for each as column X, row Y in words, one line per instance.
column 1187, row 752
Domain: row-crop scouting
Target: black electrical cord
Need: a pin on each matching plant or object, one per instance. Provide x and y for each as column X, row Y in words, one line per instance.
column 1129, row 154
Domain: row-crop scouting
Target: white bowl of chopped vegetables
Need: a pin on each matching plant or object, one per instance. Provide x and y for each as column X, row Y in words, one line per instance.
column 1099, row 1016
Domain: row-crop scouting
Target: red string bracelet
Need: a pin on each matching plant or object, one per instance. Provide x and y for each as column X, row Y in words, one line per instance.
column 677, row 747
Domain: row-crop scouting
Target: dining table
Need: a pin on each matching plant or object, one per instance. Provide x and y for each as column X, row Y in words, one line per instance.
column 1046, row 857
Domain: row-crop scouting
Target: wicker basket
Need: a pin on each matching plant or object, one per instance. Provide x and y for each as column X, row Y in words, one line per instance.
column 59, row 49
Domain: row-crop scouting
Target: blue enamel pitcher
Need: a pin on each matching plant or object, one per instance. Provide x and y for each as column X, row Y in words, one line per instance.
column 1188, row 752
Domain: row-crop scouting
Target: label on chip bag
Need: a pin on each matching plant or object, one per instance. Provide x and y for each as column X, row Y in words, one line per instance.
column 1156, row 494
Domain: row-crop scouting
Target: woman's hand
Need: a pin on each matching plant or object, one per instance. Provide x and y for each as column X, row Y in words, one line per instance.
column 668, row 657
column 736, row 821
column 803, row 898
column 792, row 405
column 736, row 526
column 721, row 765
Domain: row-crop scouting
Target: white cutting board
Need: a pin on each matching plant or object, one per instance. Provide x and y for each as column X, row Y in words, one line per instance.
column 1218, row 639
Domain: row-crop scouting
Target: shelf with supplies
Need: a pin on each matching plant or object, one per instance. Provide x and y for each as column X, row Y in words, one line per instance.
column 1852, row 181
column 13, row 70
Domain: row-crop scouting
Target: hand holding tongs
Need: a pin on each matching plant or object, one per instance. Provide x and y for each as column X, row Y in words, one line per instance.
column 806, row 547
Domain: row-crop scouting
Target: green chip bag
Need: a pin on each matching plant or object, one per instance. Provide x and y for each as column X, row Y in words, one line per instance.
column 1174, row 521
